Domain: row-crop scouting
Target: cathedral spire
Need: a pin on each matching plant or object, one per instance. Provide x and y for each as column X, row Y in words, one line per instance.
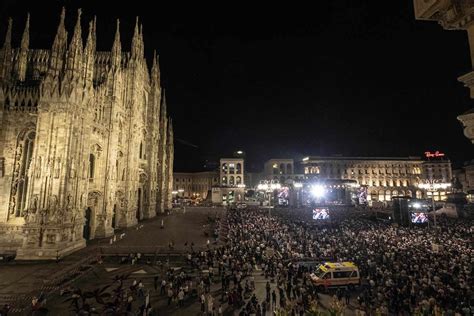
column 8, row 36
column 142, row 42
column 59, row 45
column 6, row 53
column 117, row 48
column 91, row 38
column 75, row 48
column 89, row 52
column 136, row 41
column 163, row 106
column 170, row 127
column 20, row 66
column 25, row 38
column 76, row 41
column 60, row 41
column 155, row 70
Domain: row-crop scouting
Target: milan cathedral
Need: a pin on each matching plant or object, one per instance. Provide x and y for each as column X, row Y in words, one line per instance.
column 86, row 144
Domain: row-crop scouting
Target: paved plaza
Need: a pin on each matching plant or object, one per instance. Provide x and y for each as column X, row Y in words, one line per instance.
column 188, row 225
column 191, row 225
column 105, row 274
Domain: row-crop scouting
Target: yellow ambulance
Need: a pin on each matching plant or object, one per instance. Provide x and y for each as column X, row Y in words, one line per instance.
column 336, row 274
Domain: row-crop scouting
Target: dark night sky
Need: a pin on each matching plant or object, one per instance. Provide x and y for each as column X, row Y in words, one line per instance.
column 345, row 77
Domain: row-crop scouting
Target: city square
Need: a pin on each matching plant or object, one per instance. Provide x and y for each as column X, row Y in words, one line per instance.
column 245, row 161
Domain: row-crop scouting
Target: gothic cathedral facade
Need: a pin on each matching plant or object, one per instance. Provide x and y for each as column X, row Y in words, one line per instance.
column 86, row 144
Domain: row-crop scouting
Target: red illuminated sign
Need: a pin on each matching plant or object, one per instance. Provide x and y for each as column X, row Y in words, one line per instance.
column 429, row 154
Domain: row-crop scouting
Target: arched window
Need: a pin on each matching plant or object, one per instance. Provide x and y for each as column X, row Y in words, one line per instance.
column 289, row 169
column 91, row 166
column 282, row 169
column 409, row 193
column 224, row 180
column 26, row 156
column 224, row 167
column 238, row 180
column 419, row 195
column 231, row 168
column 381, row 195
column 239, row 168
column 231, row 180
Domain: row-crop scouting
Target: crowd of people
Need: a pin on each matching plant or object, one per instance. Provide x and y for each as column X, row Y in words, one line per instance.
column 403, row 270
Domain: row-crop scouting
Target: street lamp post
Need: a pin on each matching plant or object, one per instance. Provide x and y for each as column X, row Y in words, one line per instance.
column 433, row 207
column 269, row 187
column 297, row 186
column 432, row 186
column 180, row 194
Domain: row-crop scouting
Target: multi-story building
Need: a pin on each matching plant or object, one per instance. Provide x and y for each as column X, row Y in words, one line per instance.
column 231, row 172
column 454, row 15
column 195, row 184
column 465, row 176
column 227, row 183
column 232, row 182
column 281, row 170
column 86, row 144
column 384, row 176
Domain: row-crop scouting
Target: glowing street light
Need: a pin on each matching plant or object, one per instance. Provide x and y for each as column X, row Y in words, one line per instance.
column 433, row 186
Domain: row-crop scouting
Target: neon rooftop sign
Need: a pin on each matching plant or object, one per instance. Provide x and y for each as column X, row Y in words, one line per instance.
column 429, row 154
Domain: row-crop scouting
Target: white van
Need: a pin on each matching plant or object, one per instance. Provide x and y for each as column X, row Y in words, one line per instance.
column 335, row 274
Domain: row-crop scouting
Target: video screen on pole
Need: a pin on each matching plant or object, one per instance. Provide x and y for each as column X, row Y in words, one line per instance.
column 419, row 218
column 283, row 196
column 362, row 195
column 320, row 214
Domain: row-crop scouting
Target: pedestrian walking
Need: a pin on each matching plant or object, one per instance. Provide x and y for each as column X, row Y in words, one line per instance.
column 348, row 296
column 274, row 299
